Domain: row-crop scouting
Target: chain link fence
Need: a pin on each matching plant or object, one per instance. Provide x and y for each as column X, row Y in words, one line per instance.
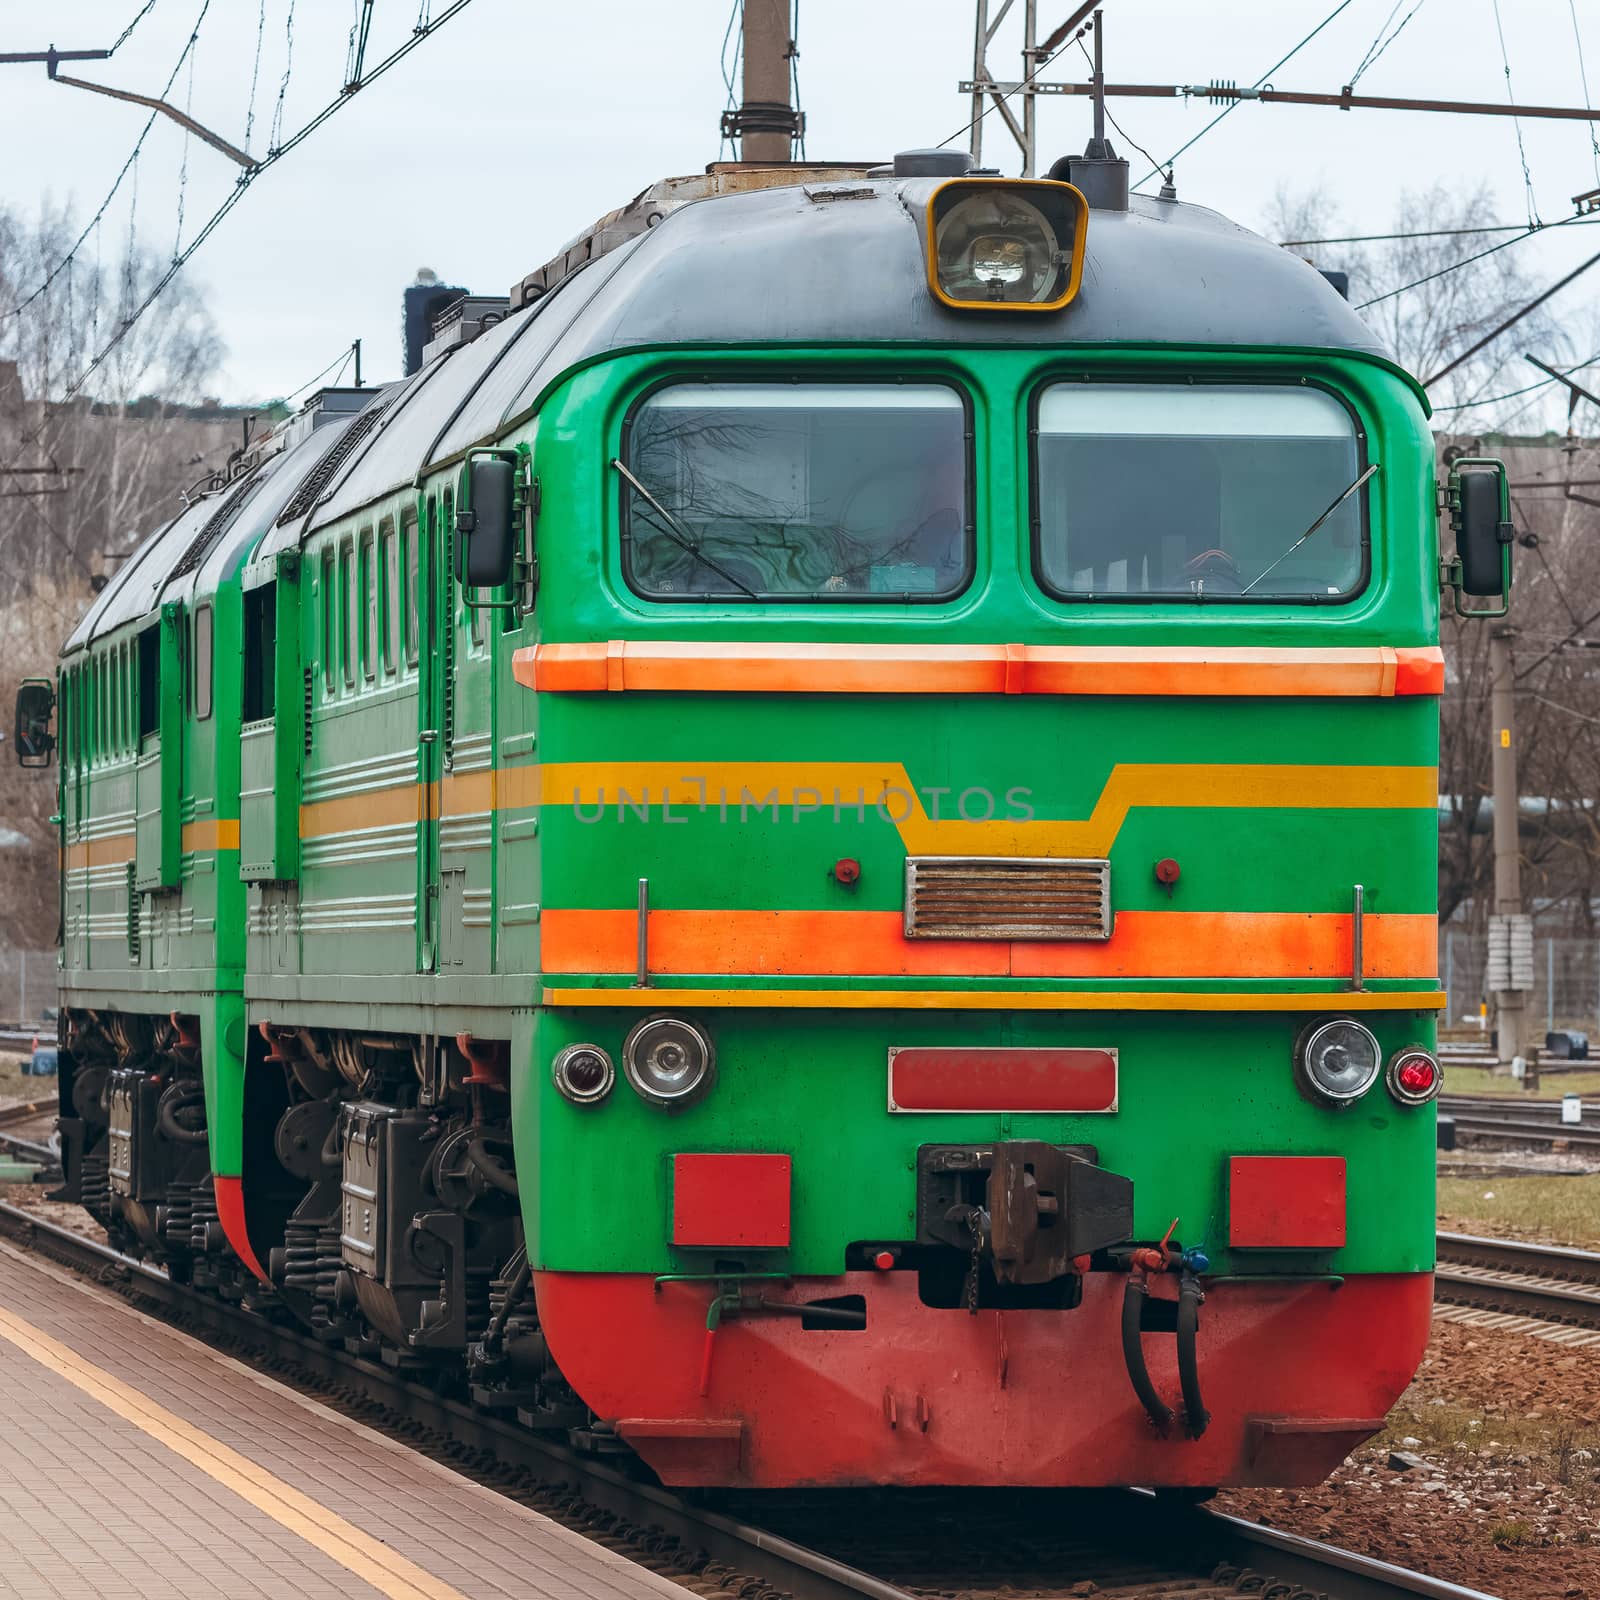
column 1566, row 980
column 27, row 985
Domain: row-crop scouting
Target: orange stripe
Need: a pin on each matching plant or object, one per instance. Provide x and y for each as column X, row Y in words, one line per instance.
column 110, row 851
column 1145, row 944
column 808, row 668
column 223, row 834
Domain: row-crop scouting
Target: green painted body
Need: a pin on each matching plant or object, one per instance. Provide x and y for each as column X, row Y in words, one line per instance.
column 385, row 917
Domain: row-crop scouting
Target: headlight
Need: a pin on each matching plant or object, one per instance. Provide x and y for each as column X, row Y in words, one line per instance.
column 669, row 1061
column 1336, row 1061
column 1413, row 1075
column 583, row 1073
column 1004, row 244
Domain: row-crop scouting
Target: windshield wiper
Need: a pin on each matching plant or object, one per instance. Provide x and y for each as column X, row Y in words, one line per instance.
column 679, row 535
column 1312, row 529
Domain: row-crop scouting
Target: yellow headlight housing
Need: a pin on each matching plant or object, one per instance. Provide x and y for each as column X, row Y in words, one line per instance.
column 1000, row 244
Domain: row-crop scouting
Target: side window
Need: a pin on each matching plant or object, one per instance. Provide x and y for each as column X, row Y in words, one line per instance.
column 369, row 607
column 124, row 701
column 410, row 562
column 202, row 663
column 348, row 596
column 330, row 628
column 149, row 681
column 389, row 593
column 260, row 650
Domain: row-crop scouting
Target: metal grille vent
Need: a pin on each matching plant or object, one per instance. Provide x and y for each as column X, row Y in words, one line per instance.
column 217, row 524
column 1001, row 897
column 133, row 917
column 321, row 475
column 308, row 686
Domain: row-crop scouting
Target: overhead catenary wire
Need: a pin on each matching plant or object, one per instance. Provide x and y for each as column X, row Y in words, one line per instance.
column 1434, row 233
column 1583, row 79
column 730, row 71
column 1467, row 261
column 283, row 86
column 255, row 73
column 132, row 316
column 1509, row 322
column 130, row 165
column 341, row 361
column 1516, row 122
column 1127, row 137
column 1375, row 50
column 123, row 37
column 1227, row 110
column 1512, row 394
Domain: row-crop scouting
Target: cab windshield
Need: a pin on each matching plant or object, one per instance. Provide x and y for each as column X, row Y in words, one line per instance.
column 1197, row 492
column 766, row 491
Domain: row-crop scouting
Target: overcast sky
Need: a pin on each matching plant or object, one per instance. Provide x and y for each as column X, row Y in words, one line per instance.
column 520, row 122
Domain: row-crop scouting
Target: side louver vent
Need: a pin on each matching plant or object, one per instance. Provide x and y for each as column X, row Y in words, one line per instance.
column 1000, row 897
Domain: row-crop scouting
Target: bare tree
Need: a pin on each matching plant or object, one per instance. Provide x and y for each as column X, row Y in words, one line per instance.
column 1460, row 292
column 114, row 465
column 114, row 458
column 1430, row 299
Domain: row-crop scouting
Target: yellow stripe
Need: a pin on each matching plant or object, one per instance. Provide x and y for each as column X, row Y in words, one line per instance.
column 688, row 785
column 357, row 1552
column 996, row 999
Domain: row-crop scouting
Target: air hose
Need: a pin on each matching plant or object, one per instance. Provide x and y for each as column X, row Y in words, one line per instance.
column 1190, row 1298
column 1134, row 1296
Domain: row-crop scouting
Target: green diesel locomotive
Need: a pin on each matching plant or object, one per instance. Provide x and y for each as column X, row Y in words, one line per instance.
column 813, row 856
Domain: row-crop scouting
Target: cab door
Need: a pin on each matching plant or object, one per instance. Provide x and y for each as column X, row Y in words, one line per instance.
column 158, row 774
column 433, row 668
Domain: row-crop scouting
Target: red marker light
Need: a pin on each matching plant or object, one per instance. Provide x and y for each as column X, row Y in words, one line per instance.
column 847, row 870
column 1417, row 1075
column 1414, row 1076
column 883, row 1260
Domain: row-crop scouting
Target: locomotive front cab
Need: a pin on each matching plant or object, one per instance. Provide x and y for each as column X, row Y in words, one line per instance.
column 1001, row 774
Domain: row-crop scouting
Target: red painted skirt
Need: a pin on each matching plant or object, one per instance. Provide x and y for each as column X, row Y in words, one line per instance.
column 1294, row 1375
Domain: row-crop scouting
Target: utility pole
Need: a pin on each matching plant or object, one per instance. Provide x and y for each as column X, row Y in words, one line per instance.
column 1510, row 930
column 766, row 124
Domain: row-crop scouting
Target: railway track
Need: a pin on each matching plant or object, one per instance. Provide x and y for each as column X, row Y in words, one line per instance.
column 21, row 1145
column 844, row 1545
column 1521, row 1121
column 1545, row 1282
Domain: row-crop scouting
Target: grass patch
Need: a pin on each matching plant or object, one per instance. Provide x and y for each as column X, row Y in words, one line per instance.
column 1508, row 1535
column 1475, row 1080
column 1554, row 1210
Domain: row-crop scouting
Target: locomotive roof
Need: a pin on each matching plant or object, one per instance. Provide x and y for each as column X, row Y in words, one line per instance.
column 825, row 260
column 842, row 263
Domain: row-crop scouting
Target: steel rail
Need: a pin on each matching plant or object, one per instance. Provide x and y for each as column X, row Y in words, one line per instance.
column 1548, row 1282
column 1528, row 1122
column 782, row 1562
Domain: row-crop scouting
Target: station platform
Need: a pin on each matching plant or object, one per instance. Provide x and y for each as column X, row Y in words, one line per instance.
column 136, row 1462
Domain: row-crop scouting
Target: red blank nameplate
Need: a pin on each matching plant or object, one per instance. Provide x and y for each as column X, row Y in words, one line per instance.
column 1286, row 1202
column 968, row 1078
column 731, row 1201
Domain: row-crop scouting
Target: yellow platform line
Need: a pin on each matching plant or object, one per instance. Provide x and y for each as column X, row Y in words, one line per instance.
column 359, row 1553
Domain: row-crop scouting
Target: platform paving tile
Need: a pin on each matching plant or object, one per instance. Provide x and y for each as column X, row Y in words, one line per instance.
column 172, row 1529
